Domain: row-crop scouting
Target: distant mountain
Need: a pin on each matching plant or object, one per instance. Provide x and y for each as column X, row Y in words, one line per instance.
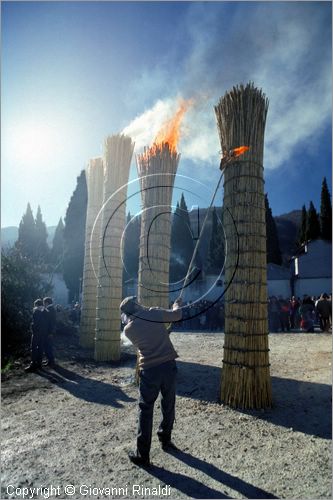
column 287, row 226
column 10, row 234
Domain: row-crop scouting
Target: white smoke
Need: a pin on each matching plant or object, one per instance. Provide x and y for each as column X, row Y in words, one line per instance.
column 144, row 128
column 285, row 49
column 198, row 138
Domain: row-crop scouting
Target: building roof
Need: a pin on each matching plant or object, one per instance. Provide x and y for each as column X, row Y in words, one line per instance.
column 316, row 261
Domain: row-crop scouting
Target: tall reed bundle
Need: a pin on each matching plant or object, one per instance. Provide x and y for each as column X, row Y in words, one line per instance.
column 95, row 183
column 245, row 379
column 157, row 167
column 118, row 151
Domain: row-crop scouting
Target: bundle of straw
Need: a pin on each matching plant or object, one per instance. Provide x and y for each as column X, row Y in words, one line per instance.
column 245, row 380
column 95, row 183
column 118, row 151
column 157, row 167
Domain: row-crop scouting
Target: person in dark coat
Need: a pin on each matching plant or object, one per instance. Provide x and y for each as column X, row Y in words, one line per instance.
column 324, row 310
column 48, row 340
column 307, row 312
column 39, row 328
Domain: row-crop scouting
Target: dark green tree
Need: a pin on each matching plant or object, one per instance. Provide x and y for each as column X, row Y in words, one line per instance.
column 176, row 266
column 312, row 224
column 74, row 235
column 272, row 240
column 41, row 247
column 301, row 238
column 131, row 248
column 325, row 213
column 22, row 283
column 216, row 253
column 26, row 242
column 57, row 250
column 182, row 243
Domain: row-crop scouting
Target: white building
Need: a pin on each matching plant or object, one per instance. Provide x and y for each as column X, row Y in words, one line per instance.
column 311, row 269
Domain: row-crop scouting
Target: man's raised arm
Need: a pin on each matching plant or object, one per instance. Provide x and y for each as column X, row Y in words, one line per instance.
column 174, row 314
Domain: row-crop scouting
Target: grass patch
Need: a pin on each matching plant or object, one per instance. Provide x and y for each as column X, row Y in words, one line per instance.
column 8, row 365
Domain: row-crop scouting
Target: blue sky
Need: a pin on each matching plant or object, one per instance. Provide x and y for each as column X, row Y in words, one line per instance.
column 74, row 72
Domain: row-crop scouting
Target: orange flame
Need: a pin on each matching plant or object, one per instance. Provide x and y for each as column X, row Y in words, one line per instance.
column 240, row 151
column 170, row 130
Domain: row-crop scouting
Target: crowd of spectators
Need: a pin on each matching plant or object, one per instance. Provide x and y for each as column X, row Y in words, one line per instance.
column 284, row 314
column 303, row 314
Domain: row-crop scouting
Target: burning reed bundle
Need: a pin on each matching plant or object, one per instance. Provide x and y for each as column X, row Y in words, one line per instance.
column 118, row 151
column 95, row 181
column 157, row 168
column 245, row 381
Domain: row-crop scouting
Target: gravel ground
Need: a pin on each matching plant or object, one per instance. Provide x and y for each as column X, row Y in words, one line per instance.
column 72, row 426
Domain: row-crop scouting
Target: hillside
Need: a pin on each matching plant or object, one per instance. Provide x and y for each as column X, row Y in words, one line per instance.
column 10, row 234
column 287, row 227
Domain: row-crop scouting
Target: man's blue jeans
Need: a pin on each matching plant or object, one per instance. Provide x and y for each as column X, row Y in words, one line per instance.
column 152, row 381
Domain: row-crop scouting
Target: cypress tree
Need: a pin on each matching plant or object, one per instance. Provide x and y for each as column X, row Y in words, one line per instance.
column 216, row 254
column 182, row 244
column 325, row 213
column 176, row 265
column 272, row 240
column 21, row 284
column 42, row 249
column 74, row 236
column 312, row 224
column 131, row 248
column 26, row 241
column 57, row 250
column 301, row 238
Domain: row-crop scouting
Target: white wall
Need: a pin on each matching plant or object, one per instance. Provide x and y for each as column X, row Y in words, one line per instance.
column 317, row 262
column 306, row 286
column 313, row 286
column 279, row 287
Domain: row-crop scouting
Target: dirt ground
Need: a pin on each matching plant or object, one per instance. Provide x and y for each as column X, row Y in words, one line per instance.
column 67, row 431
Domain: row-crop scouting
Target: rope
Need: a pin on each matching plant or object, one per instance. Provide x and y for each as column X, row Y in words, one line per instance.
column 250, row 367
column 239, row 349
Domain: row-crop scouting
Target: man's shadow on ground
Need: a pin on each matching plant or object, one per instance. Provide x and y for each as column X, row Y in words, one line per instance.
column 303, row 406
column 93, row 391
column 196, row 489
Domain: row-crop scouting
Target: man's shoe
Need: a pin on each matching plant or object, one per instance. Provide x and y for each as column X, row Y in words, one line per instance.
column 33, row 367
column 51, row 364
column 169, row 446
column 135, row 459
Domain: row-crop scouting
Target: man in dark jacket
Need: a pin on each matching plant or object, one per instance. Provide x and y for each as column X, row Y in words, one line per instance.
column 324, row 309
column 39, row 328
column 157, row 371
column 48, row 342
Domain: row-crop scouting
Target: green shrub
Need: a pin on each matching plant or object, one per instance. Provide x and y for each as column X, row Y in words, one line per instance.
column 22, row 284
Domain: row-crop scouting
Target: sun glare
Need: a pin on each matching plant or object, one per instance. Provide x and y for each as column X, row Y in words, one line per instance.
column 34, row 142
